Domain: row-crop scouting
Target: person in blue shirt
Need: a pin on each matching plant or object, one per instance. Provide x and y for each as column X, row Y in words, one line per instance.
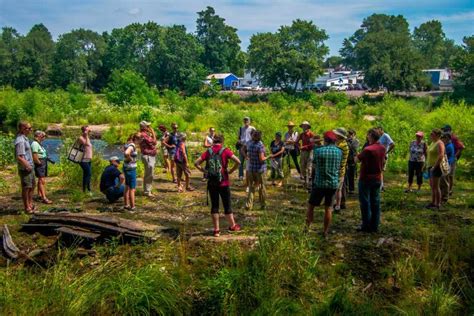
column 111, row 181
column 450, row 155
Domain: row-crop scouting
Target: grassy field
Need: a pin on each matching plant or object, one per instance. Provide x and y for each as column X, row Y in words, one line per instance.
column 421, row 261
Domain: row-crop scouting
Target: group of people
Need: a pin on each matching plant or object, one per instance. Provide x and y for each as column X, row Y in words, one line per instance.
column 327, row 166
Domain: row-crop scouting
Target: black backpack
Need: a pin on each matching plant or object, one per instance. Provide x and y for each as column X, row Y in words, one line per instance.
column 214, row 167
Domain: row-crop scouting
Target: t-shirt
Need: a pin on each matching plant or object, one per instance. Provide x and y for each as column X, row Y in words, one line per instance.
column 246, row 134
column 172, row 140
column 36, row 148
column 109, row 177
column 275, row 148
column 148, row 144
column 23, row 148
column 458, row 145
column 291, row 137
column 327, row 162
column 372, row 159
column 307, row 144
column 449, row 148
column 226, row 155
column 417, row 151
column 433, row 153
column 133, row 155
column 254, row 149
column 386, row 141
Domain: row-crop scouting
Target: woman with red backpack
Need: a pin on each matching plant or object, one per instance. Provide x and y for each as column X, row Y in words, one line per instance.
column 217, row 158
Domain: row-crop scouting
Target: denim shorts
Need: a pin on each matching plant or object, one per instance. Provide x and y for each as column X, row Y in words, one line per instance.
column 130, row 177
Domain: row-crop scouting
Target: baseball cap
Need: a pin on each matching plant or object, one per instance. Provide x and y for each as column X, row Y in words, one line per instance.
column 114, row 158
column 420, row 133
column 330, row 135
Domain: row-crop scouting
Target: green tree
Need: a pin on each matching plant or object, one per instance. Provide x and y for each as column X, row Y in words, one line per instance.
column 294, row 55
column 10, row 55
column 383, row 49
column 430, row 41
column 464, row 65
column 175, row 61
column 129, row 87
column 333, row 62
column 78, row 58
column 36, row 58
column 221, row 43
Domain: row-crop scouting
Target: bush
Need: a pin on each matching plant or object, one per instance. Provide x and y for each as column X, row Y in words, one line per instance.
column 336, row 98
column 129, row 87
column 8, row 151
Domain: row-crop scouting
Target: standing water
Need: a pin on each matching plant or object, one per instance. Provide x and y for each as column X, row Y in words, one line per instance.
column 54, row 147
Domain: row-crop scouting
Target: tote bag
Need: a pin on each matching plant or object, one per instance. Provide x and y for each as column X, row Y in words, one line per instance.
column 76, row 153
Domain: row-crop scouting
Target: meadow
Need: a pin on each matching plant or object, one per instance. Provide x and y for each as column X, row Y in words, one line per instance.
column 421, row 262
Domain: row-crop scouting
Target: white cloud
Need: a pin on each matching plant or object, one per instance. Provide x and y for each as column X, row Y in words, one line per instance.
column 135, row 11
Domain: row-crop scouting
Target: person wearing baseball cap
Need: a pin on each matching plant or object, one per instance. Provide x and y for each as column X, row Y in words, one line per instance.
column 327, row 161
column 148, row 150
column 416, row 161
column 291, row 146
column 372, row 160
column 306, row 150
column 341, row 143
column 112, row 180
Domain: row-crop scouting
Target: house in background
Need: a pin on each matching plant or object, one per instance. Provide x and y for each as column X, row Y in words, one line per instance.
column 340, row 79
column 226, row 80
column 440, row 78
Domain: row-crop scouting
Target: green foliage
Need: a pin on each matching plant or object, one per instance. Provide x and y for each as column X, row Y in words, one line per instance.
column 220, row 42
column 292, row 56
column 8, row 151
column 128, row 87
column 429, row 39
column 383, row 49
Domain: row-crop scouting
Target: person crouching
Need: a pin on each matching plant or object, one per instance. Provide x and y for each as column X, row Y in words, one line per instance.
column 111, row 181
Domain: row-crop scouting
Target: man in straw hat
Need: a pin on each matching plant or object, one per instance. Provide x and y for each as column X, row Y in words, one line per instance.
column 291, row 145
column 341, row 143
column 306, row 150
column 327, row 161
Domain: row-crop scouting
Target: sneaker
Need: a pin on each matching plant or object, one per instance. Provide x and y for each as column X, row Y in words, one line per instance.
column 336, row 209
column 235, row 228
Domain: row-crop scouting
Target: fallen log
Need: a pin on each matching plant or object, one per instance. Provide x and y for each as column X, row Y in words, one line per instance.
column 8, row 246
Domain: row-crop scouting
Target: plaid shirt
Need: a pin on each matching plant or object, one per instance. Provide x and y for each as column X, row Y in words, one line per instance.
column 253, row 151
column 328, row 162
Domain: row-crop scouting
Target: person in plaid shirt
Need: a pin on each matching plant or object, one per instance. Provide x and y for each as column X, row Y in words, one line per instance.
column 327, row 161
column 256, row 169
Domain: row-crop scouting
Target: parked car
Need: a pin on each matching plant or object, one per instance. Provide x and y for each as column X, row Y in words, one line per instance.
column 342, row 87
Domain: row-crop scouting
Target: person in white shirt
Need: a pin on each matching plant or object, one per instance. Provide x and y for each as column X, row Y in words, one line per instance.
column 244, row 136
column 291, row 145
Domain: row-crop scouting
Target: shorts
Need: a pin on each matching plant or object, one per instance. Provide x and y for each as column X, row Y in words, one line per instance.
column 41, row 171
column 435, row 172
column 130, row 177
column 181, row 168
column 165, row 152
column 27, row 179
column 318, row 194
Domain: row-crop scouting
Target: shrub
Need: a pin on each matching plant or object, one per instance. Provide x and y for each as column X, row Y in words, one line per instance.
column 336, row 98
column 129, row 87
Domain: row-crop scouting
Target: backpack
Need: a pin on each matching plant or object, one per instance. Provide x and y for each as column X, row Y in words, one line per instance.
column 179, row 154
column 214, row 167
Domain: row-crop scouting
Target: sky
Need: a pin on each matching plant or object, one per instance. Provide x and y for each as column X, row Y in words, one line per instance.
column 339, row 18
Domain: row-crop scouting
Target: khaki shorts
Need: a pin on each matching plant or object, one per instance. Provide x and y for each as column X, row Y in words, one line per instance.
column 182, row 168
column 27, row 179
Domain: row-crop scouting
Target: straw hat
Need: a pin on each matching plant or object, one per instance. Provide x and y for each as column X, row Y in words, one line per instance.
column 290, row 123
column 341, row 132
column 305, row 123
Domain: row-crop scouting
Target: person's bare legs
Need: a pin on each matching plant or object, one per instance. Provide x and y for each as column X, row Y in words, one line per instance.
column 230, row 219
column 436, row 192
column 29, row 197
column 179, row 173
column 338, row 198
column 167, row 164
column 24, row 197
column 327, row 219
column 215, row 221
column 126, row 196
column 132, row 197
column 172, row 170
column 41, row 192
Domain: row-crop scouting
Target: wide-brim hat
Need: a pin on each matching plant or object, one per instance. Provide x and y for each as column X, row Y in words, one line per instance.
column 114, row 158
column 144, row 124
column 420, row 133
column 341, row 132
column 290, row 123
column 305, row 123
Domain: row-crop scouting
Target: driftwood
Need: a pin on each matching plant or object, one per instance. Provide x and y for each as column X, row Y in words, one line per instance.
column 8, row 246
column 90, row 228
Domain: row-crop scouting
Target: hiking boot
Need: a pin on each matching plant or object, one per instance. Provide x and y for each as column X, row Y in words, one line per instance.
column 235, row 228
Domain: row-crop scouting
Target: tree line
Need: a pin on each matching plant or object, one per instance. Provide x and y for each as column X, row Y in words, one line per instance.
column 170, row 57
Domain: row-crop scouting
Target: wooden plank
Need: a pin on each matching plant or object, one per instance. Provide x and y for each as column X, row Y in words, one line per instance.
column 11, row 250
column 77, row 232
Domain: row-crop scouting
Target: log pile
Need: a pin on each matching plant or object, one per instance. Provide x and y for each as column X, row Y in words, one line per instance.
column 91, row 228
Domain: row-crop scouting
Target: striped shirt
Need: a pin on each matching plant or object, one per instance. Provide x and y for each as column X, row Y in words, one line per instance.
column 253, row 151
column 327, row 161
column 345, row 154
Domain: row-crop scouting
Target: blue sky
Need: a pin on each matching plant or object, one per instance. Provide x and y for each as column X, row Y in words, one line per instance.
column 339, row 18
